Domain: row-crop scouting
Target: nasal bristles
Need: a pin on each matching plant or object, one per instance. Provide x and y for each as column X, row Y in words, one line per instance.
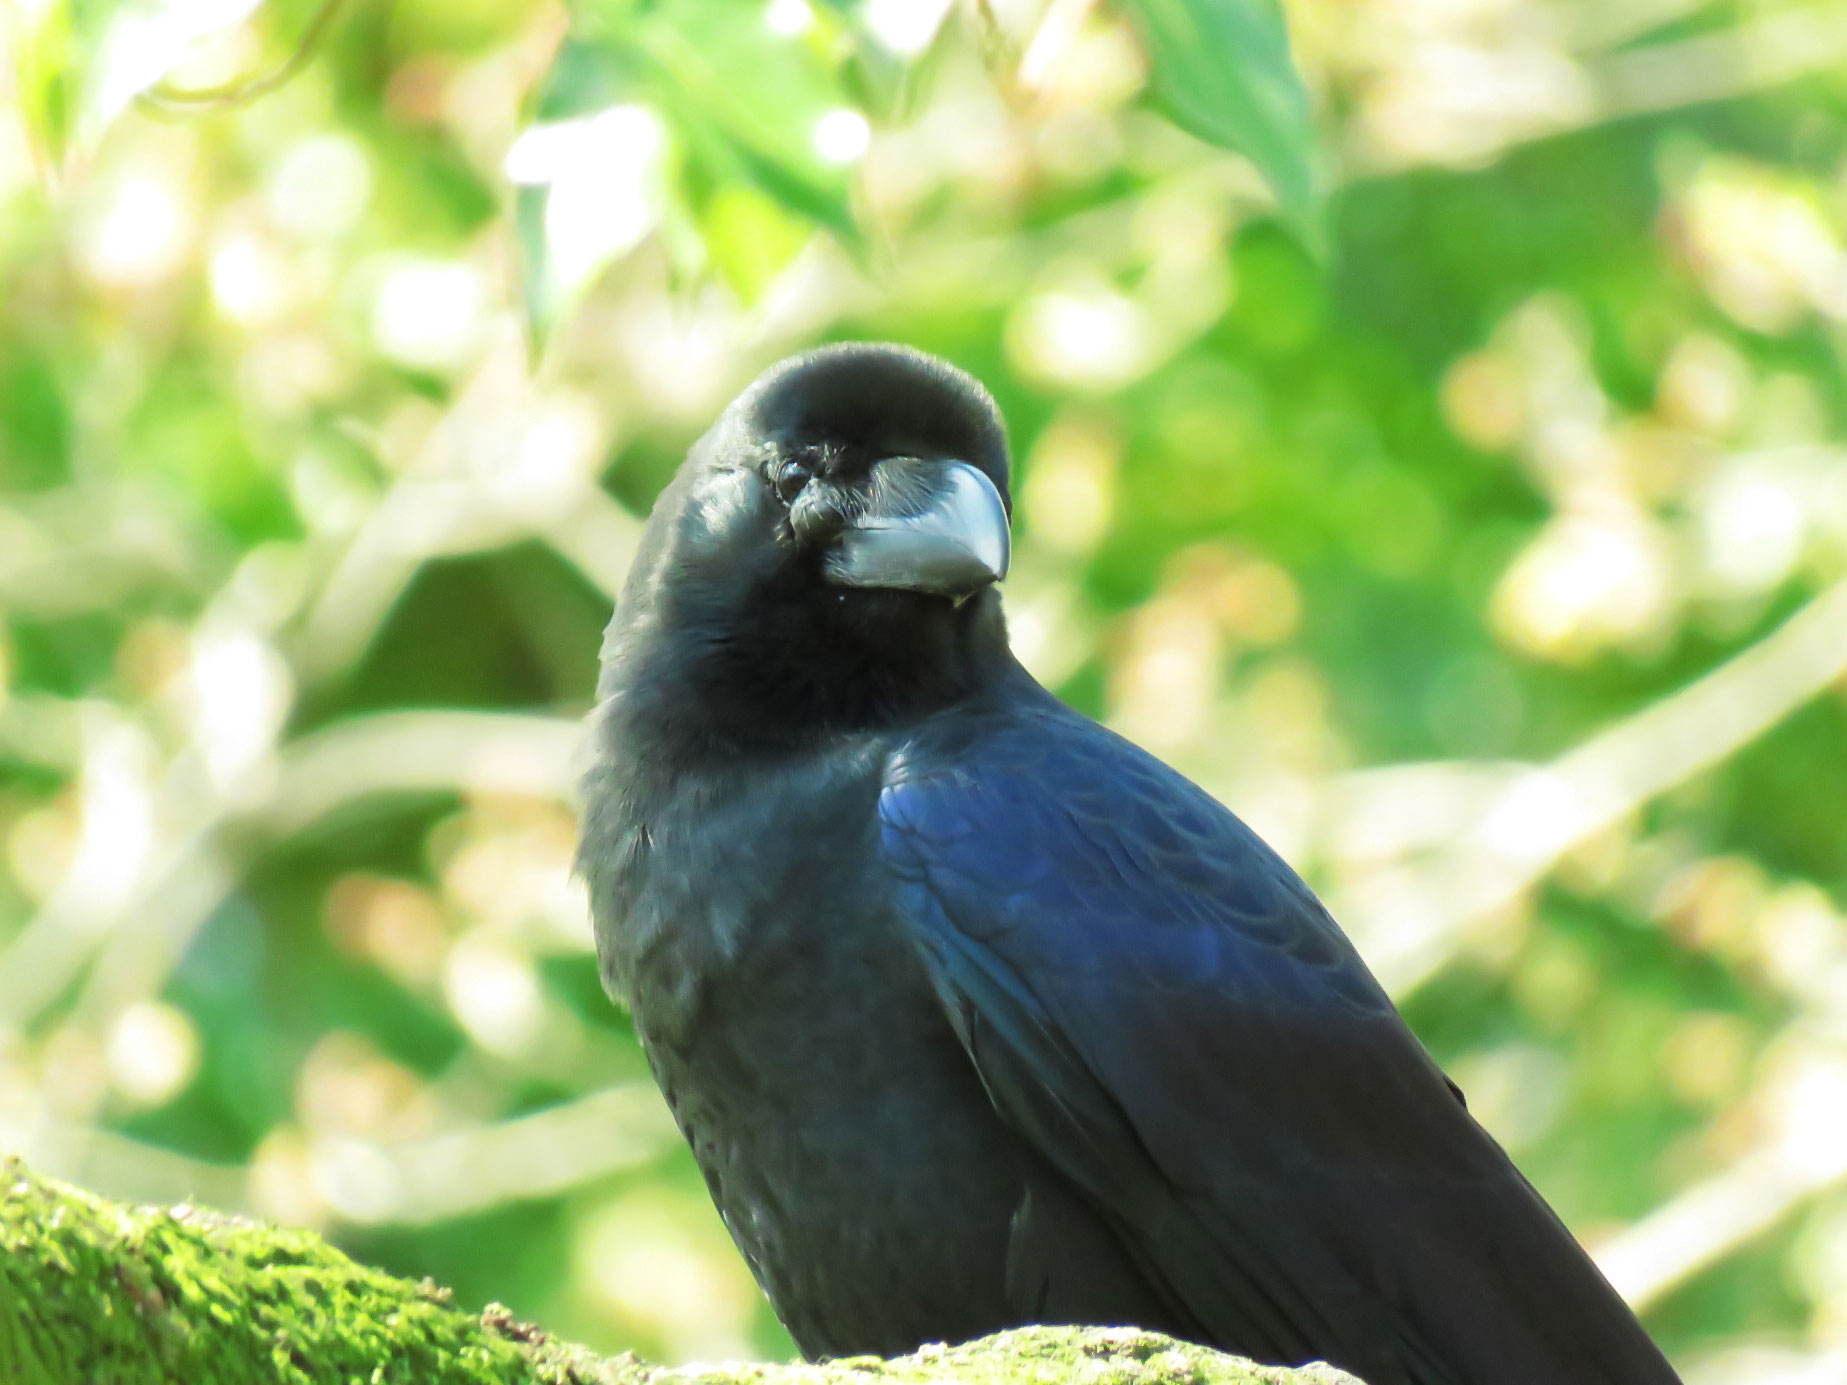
column 819, row 513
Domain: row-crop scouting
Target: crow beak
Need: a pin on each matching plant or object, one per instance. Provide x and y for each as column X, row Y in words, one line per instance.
column 937, row 527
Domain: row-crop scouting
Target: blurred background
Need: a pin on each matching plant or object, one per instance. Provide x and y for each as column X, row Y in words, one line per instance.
column 1475, row 526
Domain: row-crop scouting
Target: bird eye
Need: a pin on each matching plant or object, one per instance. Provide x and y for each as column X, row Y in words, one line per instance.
column 791, row 476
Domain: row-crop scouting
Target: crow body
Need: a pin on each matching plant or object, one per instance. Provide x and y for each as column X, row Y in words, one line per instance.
column 973, row 1013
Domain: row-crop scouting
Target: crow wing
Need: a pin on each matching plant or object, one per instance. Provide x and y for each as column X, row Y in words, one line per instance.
column 1163, row 1009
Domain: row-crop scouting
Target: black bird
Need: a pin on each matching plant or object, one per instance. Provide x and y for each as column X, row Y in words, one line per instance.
column 973, row 1013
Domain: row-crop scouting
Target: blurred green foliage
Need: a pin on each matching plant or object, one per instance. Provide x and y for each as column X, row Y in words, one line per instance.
column 1492, row 564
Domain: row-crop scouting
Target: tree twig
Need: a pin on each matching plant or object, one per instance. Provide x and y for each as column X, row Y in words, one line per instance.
column 171, row 100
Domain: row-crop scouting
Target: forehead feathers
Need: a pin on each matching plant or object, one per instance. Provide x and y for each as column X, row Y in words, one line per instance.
column 878, row 399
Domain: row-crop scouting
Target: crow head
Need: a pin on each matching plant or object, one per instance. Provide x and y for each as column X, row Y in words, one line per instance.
column 825, row 556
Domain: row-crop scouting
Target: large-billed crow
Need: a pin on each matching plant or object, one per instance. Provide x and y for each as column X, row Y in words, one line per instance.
column 973, row 1013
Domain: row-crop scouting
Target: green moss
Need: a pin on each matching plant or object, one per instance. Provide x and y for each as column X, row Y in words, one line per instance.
column 95, row 1292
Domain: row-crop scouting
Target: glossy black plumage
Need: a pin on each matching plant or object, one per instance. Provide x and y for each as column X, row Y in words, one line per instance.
column 973, row 1013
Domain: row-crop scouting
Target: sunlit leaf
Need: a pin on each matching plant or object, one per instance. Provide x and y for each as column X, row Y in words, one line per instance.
column 79, row 63
column 1221, row 70
column 45, row 56
column 745, row 106
column 751, row 239
column 560, row 168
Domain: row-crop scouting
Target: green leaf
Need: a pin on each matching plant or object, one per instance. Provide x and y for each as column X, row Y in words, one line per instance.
column 540, row 292
column 586, row 76
column 762, row 93
column 1221, row 70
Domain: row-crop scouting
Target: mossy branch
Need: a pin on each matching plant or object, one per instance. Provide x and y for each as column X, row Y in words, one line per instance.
column 94, row 1291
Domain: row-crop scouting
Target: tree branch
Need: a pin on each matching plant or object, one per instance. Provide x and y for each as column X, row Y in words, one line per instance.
column 93, row 1290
